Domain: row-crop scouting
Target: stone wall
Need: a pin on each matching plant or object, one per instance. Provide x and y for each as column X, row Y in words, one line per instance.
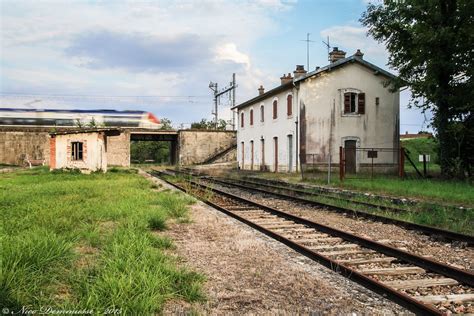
column 16, row 143
column 118, row 150
column 195, row 146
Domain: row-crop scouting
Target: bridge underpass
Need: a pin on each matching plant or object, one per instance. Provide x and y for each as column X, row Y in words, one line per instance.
column 169, row 138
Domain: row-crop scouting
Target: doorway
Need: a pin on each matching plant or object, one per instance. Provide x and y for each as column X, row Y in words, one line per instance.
column 251, row 155
column 262, row 164
column 350, row 155
column 243, row 155
column 275, row 140
column 290, row 153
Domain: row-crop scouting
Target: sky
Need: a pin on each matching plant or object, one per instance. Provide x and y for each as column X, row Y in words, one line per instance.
column 160, row 56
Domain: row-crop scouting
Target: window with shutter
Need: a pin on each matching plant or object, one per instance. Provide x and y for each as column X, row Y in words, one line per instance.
column 347, row 102
column 242, row 119
column 251, row 117
column 361, row 103
column 289, row 105
column 262, row 114
column 354, row 103
column 275, row 109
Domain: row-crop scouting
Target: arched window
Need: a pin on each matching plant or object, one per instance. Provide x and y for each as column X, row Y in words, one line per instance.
column 251, row 117
column 289, row 105
column 242, row 119
column 262, row 113
column 275, row 109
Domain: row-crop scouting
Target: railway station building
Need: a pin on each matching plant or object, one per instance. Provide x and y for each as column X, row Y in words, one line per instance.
column 310, row 115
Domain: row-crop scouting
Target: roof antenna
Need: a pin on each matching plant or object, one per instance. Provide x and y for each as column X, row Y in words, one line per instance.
column 328, row 46
column 307, row 40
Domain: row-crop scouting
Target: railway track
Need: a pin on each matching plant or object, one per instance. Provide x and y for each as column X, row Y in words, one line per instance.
column 301, row 197
column 420, row 284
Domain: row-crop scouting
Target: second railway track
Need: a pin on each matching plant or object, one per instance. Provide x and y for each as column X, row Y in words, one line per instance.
column 420, row 284
column 302, row 197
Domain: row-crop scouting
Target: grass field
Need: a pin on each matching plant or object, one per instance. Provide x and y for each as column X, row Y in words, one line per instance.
column 86, row 242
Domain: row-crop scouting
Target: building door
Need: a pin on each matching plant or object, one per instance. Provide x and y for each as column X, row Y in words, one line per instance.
column 290, row 153
column 275, row 140
column 251, row 155
column 243, row 156
column 350, row 155
column 262, row 164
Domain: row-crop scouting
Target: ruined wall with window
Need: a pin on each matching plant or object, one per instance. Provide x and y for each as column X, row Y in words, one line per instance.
column 86, row 151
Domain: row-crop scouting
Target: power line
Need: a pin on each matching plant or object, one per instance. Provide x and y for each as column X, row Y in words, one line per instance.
column 98, row 96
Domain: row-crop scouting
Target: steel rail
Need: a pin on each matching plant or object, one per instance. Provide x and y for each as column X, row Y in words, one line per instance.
column 449, row 235
column 396, row 296
column 300, row 191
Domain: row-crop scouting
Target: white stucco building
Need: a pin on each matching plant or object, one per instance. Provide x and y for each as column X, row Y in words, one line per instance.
column 310, row 115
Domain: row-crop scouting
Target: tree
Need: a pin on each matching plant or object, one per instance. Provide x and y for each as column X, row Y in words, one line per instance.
column 166, row 124
column 205, row 124
column 431, row 45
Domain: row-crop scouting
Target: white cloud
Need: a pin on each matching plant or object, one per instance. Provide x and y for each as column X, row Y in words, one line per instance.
column 350, row 38
column 229, row 52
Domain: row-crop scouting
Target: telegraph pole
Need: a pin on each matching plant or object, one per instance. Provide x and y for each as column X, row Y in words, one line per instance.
column 229, row 89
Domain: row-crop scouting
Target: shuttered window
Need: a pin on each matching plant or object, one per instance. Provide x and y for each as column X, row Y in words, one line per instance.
column 242, row 119
column 262, row 114
column 251, row 117
column 275, row 109
column 361, row 103
column 289, row 105
column 354, row 103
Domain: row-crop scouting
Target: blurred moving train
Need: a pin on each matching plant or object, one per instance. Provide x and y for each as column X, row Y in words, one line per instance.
column 76, row 118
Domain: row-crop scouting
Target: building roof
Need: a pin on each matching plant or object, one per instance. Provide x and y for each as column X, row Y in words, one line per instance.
column 107, row 131
column 344, row 61
column 265, row 95
column 339, row 63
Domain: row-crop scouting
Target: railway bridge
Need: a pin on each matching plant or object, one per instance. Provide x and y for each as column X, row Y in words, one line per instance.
column 188, row 147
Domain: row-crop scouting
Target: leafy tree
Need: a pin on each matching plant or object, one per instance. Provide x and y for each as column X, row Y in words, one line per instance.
column 141, row 151
column 431, row 45
column 166, row 124
column 205, row 124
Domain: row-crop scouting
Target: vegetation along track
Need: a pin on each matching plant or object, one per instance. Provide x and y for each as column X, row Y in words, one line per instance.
column 296, row 196
column 421, row 285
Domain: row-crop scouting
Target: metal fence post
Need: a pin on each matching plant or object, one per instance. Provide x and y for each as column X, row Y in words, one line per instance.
column 401, row 166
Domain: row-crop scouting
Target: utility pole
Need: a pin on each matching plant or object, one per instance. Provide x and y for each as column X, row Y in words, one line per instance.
column 307, row 40
column 231, row 88
column 213, row 87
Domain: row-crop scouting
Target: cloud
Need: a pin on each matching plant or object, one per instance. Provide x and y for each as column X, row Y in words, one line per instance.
column 229, row 52
column 138, row 52
column 351, row 38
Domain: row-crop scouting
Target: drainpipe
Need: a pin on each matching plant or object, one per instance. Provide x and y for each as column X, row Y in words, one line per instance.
column 297, row 143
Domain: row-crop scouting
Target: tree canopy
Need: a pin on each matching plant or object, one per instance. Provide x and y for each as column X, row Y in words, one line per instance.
column 431, row 45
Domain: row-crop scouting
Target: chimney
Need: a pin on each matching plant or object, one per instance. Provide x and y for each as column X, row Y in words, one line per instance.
column 286, row 78
column 336, row 54
column 261, row 90
column 359, row 54
column 299, row 72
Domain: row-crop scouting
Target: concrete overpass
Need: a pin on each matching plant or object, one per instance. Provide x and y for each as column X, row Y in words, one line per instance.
column 188, row 147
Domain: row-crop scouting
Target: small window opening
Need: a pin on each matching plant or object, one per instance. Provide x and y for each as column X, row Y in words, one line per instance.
column 77, row 151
